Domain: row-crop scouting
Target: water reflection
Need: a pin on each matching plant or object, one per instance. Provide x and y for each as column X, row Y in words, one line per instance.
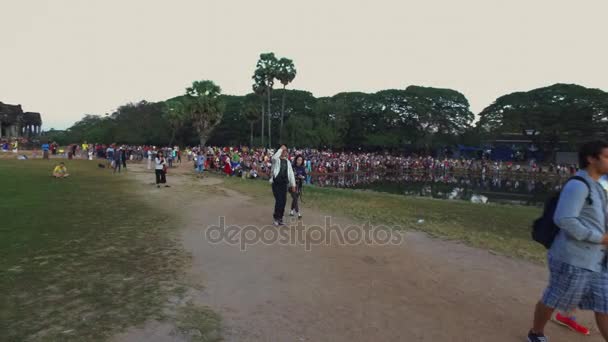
column 495, row 188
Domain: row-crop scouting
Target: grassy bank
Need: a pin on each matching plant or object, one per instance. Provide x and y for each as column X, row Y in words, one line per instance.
column 504, row 229
column 80, row 258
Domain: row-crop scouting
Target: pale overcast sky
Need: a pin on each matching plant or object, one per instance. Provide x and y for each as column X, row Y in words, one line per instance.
column 65, row 58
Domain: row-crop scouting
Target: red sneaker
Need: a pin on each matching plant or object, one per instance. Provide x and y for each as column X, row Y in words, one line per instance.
column 570, row 322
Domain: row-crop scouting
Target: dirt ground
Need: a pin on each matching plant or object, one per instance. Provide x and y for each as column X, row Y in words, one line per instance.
column 421, row 290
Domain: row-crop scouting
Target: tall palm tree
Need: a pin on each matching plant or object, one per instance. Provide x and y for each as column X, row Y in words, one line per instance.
column 205, row 107
column 286, row 72
column 252, row 114
column 259, row 88
column 266, row 70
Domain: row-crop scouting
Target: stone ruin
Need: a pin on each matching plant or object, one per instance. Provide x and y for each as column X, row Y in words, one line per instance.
column 14, row 123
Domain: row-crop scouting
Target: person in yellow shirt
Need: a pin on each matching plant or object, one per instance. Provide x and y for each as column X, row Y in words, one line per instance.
column 85, row 149
column 60, row 171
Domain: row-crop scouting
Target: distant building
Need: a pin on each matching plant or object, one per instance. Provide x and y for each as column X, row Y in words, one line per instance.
column 521, row 146
column 14, row 123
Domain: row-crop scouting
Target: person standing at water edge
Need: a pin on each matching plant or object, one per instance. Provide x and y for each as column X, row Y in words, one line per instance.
column 577, row 258
column 281, row 175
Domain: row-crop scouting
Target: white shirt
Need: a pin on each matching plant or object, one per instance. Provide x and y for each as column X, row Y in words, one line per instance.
column 603, row 182
column 276, row 167
column 158, row 165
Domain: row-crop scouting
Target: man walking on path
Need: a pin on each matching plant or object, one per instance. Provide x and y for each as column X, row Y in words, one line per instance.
column 577, row 258
column 281, row 175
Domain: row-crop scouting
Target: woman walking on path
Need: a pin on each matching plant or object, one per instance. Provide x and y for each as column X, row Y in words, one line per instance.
column 299, row 171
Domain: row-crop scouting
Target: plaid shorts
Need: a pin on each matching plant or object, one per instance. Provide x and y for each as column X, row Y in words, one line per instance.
column 571, row 287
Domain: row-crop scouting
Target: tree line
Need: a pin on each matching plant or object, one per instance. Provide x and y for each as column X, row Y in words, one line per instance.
column 415, row 118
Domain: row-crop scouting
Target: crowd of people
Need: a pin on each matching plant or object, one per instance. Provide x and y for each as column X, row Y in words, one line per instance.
column 10, row 145
column 256, row 162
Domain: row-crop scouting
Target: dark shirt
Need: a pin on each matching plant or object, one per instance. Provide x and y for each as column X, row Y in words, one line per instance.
column 299, row 171
column 281, row 178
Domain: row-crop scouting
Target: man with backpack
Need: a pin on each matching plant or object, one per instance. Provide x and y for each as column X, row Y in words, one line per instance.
column 577, row 256
column 568, row 319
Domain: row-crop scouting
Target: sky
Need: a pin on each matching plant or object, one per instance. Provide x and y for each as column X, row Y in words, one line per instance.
column 67, row 58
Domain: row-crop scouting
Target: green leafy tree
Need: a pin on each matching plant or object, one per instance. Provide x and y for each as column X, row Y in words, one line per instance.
column 175, row 113
column 252, row 113
column 205, row 107
column 233, row 130
column 559, row 112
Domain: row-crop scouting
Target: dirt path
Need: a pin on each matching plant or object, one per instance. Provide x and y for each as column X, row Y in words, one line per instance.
column 422, row 290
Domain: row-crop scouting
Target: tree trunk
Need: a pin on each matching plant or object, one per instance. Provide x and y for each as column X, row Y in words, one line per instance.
column 251, row 135
column 202, row 139
column 172, row 137
column 282, row 115
column 262, row 135
column 269, row 123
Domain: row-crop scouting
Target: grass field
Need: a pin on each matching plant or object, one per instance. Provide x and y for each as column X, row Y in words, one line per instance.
column 84, row 257
column 504, row 229
column 80, row 258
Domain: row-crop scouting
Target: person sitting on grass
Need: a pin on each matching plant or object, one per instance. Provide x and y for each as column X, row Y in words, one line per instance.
column 60, row 171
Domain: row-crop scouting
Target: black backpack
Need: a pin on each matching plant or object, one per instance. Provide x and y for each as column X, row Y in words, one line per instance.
column 544, row 229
